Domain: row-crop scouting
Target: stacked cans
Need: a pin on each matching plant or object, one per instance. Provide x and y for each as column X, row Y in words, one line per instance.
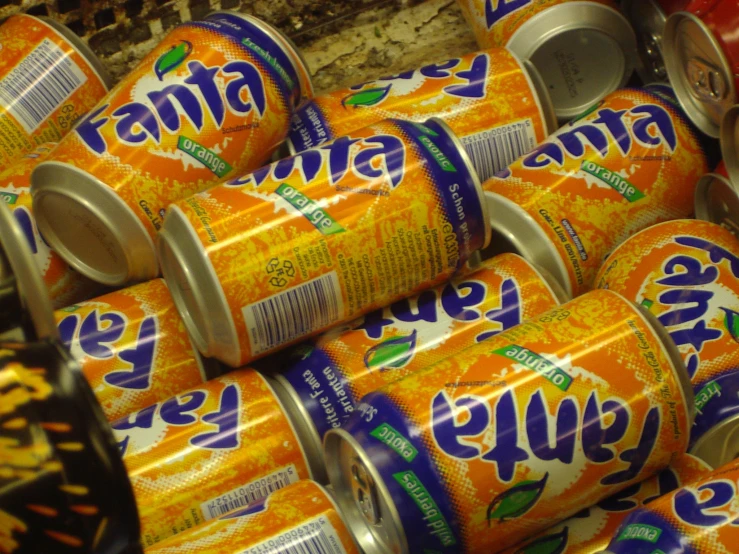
column 472, row 301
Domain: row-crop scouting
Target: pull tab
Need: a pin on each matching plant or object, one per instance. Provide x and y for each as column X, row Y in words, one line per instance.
column 706, row 80
column 365, row 492
column 654, row 55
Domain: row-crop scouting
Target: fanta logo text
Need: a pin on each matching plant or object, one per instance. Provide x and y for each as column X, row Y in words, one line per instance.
column 97, row 335
column 495, row 10
column 198, row 95
column 709, row 505
column 181, row 411
column 369, row 159
column 576, row 428
column 649, row 125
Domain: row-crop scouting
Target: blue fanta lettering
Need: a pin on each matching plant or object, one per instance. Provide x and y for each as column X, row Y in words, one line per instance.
column 702, row 506
column 651, row 126
column 546, row 436
column 25, row 222
column 509, row 313
column 193, row 97
column 495, row 10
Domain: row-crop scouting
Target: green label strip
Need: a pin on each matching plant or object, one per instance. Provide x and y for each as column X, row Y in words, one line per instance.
column 432, row 516
column 535, row 362
column 614, row 180
column 438, row 155
column 641, row 532
column 310, row 209
column 705, row 395
column 394, row 439
column 208, row 158
column 9, row 197
column 271, row 60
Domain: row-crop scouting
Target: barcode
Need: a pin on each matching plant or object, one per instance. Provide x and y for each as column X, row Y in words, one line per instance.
column 39, row 84
column 494, row 149
column 317, row 536
column 251, row 492
column 293, row 313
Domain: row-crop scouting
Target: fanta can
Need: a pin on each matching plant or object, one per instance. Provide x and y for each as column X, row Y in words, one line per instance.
column 322, row 237
column 630, row 161
column 132, row 347
column 498, row 107
column 510, row 436
column 212, row 101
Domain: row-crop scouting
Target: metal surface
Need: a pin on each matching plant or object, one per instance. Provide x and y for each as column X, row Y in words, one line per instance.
column 582, row 50
column 717, row 201
column 648, row 20
column 720, row 445
column 542, row 93
column 729, row 135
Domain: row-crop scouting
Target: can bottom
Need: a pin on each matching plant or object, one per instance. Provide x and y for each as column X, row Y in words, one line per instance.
column 717, row 201
column 720, row 444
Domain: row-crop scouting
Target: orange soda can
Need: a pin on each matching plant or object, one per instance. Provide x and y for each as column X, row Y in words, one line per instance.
column 64, row 284
column 329, row 376
column 48, row 79
column 717, row 199
column 631, row 161
column 686, row 272
column 497, row 106
column 583, row 50
column 301, row 518
column 475, row 453
column 322, row 237
column 211, row 101
column 209, row 450
column 590, row 530
column 698, row 518
column 132, row 347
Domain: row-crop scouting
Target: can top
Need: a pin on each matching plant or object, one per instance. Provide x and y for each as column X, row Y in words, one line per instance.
column 720, row 444
column 362, row 496
column 699, row 70
column 717, row 201
column 729, row 135
column 90, row 226
column 542, row 94
column 648, row 19
column 21, row 286
column 553, row 36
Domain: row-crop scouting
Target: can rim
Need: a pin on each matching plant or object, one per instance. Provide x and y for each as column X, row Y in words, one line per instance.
column 635, row 14
column 82, row 48
column 729, row 140
column 477, row 185
column 725, row 431
column 29, row 286
column 678, row 77
column 705, row 185
column 543, row 98
column 52, row 178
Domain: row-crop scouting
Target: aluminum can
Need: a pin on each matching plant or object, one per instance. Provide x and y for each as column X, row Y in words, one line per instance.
column 210, row 450
column 729, row 135
column 630, row 162
column 48, row 79
column 211, row 101
column 701, row 53
column 132, row 347
column 321, row 238
column 686, row 273
column 470, row 454
column 63, row 487
column 301, row 518
column 583, row 50
column 700, row 517
column 498, row 107
column 65, row 286
column 328, row 377
column 717, row 199
column 590, row 530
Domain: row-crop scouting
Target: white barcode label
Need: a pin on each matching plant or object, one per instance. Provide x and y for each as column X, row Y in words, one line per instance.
column 293, row 313
column 251, row 492
column 39, row 84
column 317, row 536
column 494, row 149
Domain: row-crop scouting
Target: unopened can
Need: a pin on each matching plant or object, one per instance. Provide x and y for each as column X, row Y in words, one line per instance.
column 686, row 272
column 211, row 101
column 510, row 436
column 63, row 487
column 210, row 450
column 701, row 53
column 729, row 134
column 328, row 377
column 631, row 161
column 48, row 79
column 132, row 347
column 698, row 518
column 497, row 106
column 301, row 518
column 717, row 199
column 583, row 50
column 322, row 237
column 64, row 284
column 590, row 530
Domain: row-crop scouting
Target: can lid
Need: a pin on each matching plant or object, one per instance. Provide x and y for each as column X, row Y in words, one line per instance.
column 717, row 201
column 699, row 71
column 600, row 42
column 24, row 299
column 729, row 135
column 90, row 226
column 542, row 94
column 648, row 19
column 720, row 444
column 361, row 494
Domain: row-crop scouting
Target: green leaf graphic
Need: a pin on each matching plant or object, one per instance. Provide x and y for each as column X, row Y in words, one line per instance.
column 367, row 97
column 517, row 500
column 391, row 353
column 548, row 544
column 172, row 58
column 731, row 320
column 647, row 303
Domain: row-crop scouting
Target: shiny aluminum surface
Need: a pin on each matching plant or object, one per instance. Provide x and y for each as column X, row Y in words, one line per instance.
column 717, row 201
